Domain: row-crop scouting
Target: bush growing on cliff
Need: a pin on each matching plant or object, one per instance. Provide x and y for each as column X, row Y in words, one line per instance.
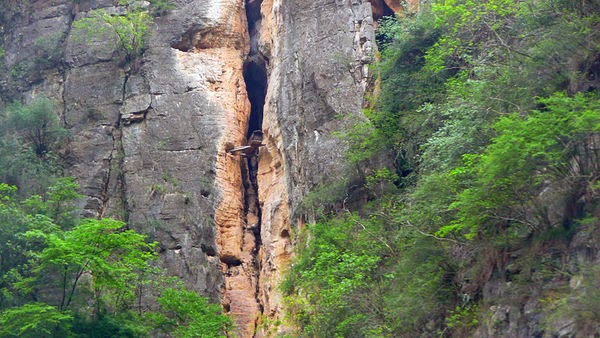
column 129, row 27
column 30, row 139
column 161, row 7
column 333, row 274
column 130, row 30
column 505, row 181
column 35, row 125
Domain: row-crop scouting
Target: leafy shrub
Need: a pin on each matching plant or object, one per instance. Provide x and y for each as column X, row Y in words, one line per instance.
column 34, row 320
column 525, row 153
column 30, row 140
column 36, row 125
column 130, row 30
column 489, row 111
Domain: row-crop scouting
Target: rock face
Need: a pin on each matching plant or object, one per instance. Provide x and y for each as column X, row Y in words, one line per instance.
column 319, row 54
column 149, row 136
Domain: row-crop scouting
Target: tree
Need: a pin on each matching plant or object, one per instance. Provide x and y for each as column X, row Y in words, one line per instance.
column 62, row 276
column 36, row 125
column 332, row 278
column 112, row 256
column 130, row 30
column 490, row 111
column 30, row 139
column 186, row 314
column 35, row 320
column 505, row 181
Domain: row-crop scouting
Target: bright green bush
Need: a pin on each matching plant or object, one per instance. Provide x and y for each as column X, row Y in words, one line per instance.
column 62, row 276
column 130, row 30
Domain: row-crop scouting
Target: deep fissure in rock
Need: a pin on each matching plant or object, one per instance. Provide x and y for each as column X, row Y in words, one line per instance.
column 255, row 69
column 255, row 77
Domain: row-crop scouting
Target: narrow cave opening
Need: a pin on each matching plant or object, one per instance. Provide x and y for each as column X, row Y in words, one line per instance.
column 255, row 68
column 255, row 77
column 381, row 9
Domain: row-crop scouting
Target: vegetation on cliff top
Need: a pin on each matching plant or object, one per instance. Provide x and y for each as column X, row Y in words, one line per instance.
column 489, row 113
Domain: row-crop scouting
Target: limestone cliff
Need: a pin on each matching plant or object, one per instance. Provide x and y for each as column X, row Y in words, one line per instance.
column 150, row 137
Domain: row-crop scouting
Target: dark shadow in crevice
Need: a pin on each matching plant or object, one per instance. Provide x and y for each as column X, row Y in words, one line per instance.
column 380, row 9
column 255, row 76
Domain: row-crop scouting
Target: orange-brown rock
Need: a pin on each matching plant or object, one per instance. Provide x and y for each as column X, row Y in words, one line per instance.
column 383, row 8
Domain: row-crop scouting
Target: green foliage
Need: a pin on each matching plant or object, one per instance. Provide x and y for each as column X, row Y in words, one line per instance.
column 161, row 7
column 122, row 324
column 525, row 153
column 489, row 112
column 365, row 141
column 349, row 280
column 30, row 138
column 580, row 305
column 36, row 125
column 381, row 181
column 61, row 276
column 462, row 317
column 322, row 200
column 332, row 273
column 397, row 125
column 129, row 29
column 114, row 259
column 186, row 314
column 34, row 320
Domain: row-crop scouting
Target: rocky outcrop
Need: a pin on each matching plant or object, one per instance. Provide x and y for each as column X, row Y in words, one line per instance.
column 149, row 136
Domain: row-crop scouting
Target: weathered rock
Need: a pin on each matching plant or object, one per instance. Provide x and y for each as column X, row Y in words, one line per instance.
column 149, row 138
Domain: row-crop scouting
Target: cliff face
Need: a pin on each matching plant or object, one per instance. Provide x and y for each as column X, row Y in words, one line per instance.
column 150, row 136
column 318, row 52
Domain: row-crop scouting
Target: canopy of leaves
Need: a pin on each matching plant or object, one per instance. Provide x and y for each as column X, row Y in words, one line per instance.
column 34, row 320
column 64, row 276
column 186, row 314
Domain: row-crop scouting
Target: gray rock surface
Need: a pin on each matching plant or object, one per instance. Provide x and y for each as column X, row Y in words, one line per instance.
column 325, row 48
column 148, row 137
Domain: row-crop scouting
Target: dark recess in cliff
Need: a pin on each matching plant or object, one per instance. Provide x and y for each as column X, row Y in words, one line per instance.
column 255, row 72
column 380, row 9
column 256, row 84
column 255, row 77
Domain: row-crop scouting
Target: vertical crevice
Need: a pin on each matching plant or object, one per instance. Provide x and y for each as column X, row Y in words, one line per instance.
column 113, row 195
column 241, row 256
column 255, row 77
